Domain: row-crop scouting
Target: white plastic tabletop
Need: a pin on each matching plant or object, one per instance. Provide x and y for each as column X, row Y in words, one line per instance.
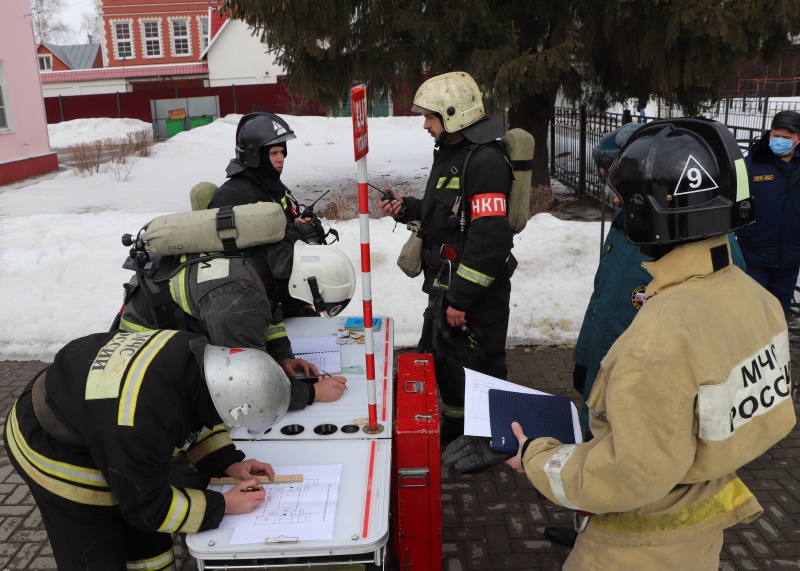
column 337, row 420
column 362, row 510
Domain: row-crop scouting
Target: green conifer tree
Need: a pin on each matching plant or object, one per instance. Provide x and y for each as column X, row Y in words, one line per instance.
column 522, row 52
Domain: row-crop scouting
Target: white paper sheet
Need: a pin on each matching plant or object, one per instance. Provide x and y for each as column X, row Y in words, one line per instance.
column 476, row 402
column 296, row 511
column 320, row 351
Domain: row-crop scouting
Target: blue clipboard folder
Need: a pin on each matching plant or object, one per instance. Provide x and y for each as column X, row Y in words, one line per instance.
column 539, row 415
column 357, row 323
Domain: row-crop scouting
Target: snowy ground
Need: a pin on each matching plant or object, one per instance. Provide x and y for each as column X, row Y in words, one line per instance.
column 61, row 255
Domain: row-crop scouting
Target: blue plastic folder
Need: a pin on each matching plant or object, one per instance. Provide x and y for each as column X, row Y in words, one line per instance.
column 357, row 323
column 539, row 415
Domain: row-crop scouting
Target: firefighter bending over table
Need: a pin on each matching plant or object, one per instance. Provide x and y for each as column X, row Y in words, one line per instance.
column 695, row 388
column 92, row 435
column 233, row 301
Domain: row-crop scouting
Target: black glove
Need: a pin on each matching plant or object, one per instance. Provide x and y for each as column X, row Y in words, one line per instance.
column 579, row 377
column 312, row 231
column 470, row 454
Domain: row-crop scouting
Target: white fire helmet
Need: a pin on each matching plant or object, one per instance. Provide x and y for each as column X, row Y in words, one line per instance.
column 454, row 96
column 323, row 277
column 247, row 386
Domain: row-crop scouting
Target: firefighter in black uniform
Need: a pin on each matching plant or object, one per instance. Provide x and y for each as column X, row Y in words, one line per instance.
column 93, row 434
column 467, row 240
column 255, row 176
column 232, row 300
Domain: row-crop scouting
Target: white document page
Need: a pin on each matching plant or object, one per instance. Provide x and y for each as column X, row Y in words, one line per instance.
column 476, row 402
column 293, row 511
column 323, row 352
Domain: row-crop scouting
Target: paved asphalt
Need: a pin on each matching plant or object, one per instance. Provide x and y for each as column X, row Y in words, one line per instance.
column 491, row 520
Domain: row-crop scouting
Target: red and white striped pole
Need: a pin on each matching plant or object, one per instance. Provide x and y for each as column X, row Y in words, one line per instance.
column 358, row 100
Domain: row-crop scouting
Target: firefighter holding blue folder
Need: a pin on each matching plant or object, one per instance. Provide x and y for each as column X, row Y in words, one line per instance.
column 695, row 388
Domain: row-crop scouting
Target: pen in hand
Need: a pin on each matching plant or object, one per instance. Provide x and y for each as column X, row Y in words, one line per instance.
column 326, row 374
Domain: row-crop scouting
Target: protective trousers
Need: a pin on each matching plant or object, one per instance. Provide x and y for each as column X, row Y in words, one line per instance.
column 481, row 347
column 87, row 537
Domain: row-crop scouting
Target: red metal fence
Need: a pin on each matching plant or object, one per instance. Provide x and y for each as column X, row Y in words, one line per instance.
column 272, row 97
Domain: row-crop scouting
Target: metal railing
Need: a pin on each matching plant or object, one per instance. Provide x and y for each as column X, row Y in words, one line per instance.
column 575, row 131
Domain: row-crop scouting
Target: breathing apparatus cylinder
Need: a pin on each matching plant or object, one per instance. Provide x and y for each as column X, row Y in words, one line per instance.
column 519, row 145
column 215, row 230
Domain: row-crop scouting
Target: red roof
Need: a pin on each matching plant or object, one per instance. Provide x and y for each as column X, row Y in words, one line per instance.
column 217, row 19
column 124, row 72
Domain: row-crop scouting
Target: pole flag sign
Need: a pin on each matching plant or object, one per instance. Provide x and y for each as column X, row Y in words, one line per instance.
column 358, row 102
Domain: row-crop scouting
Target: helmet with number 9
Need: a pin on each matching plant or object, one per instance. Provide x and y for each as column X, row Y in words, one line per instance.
column 681, row 180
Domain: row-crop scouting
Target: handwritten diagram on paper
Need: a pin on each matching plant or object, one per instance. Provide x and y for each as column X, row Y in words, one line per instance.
column 295, row 511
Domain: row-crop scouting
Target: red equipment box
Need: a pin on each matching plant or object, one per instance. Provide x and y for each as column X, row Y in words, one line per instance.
column 417, row 494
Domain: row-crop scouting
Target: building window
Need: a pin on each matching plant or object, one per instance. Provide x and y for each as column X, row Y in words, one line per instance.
column 151, row 34
column 204, row 33
column 45, row 63
column 123, row 40
column 3, row 115
column 180, row 37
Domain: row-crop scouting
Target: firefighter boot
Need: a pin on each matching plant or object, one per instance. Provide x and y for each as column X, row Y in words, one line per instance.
column 561, row 535
column 449, row 429
column 471, row 454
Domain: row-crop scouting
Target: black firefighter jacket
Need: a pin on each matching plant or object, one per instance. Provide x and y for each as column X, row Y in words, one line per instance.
column 484, row 248
column 134, row 400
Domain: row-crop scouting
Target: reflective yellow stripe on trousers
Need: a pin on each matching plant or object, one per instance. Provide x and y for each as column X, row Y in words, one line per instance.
column 162, row 562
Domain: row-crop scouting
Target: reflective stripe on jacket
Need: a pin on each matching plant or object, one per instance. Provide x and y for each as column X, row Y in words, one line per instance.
column 131, row 397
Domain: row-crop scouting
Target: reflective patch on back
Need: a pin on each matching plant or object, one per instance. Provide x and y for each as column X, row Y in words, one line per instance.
column 753, row 387
column 107, row 370
column 215, row 269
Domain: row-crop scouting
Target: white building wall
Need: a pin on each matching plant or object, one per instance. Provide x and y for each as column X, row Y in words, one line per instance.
column 84, row 87
column 239, row 58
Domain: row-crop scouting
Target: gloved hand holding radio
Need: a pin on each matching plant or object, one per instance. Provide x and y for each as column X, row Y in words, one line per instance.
column 311, row 230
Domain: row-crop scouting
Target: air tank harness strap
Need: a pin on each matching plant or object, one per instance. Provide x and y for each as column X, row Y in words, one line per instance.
column 46, row 416
column 226, row 228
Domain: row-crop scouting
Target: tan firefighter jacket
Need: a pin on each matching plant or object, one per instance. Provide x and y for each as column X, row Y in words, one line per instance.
column 696, row 387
